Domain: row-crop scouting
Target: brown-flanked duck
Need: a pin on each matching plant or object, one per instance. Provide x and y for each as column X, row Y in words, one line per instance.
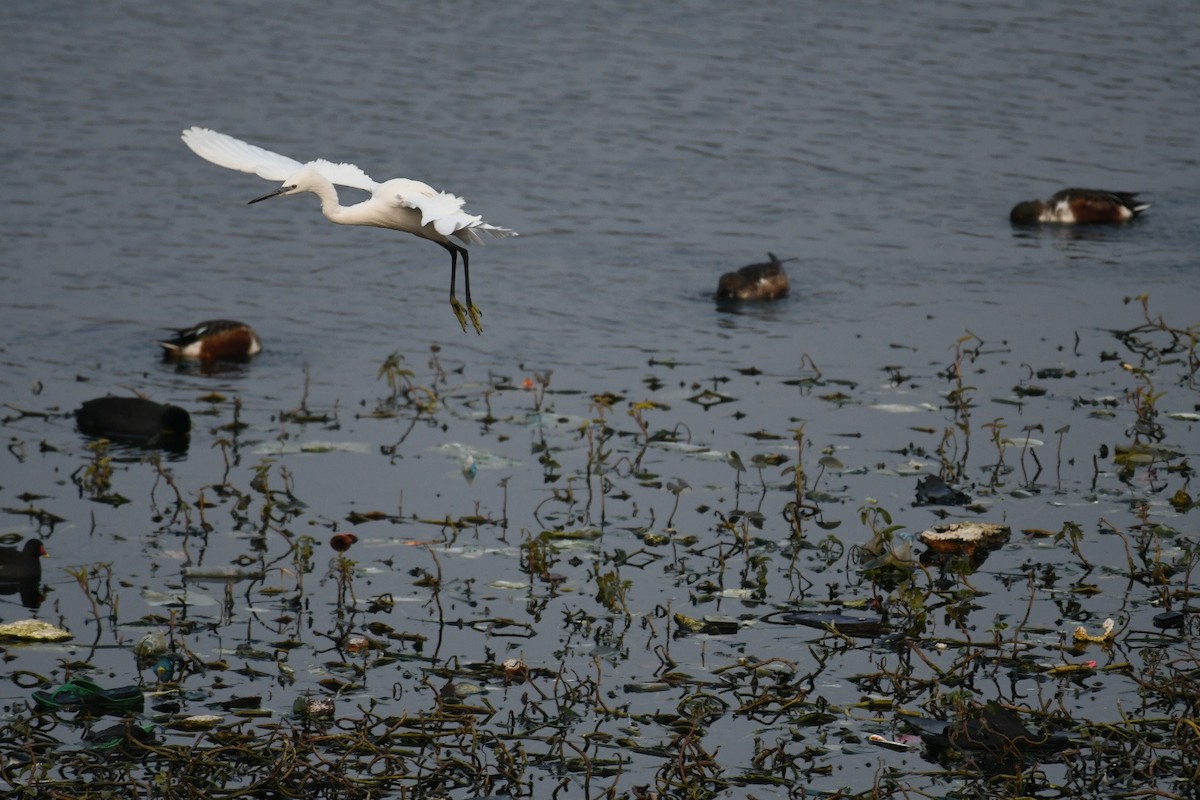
column 1079, row 207
column 213, row 340
column 765, row 281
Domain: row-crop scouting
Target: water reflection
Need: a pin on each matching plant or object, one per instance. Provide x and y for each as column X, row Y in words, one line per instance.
column 30, row 591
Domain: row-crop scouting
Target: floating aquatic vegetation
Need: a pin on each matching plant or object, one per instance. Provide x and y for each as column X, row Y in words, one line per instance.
column 612, row 616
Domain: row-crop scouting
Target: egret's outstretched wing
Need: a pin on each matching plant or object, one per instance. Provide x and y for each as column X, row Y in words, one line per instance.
column 226, row 151
column 442, row 210
column 345, row 175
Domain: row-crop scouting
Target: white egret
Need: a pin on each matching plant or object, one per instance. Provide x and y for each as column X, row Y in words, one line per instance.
column 400, row 204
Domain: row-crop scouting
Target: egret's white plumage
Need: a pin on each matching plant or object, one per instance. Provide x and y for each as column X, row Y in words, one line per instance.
column 400, row 204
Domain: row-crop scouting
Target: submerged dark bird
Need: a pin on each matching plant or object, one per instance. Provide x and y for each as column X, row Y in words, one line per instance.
column 133, row 419
column 24, row 564
column 765, row 281
column 1079, row 207
column 213, row 340
column 991, row 728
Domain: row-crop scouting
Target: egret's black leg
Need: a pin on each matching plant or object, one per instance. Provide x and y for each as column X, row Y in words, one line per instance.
column 459, row 311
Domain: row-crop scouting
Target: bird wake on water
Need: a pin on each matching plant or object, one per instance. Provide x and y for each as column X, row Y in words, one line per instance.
column 400, row 204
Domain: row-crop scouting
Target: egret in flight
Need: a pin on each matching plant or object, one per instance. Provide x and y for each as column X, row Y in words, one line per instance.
column 401, row 204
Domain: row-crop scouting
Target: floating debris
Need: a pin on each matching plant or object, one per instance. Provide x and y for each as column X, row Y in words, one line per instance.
column 150, row 648
column 196, row 722
column 316, row 446
column 902, row 408
column 81, row 693
column 126, row 735
column 837, row 622
column 933, row 491
column 1107, row 633
column 891, row 548
column 33, row 630
column 965, row 537
column 876, row 739
column 713, row 624
column 221, row 574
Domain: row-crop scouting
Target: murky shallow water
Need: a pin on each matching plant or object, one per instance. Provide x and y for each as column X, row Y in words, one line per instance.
column 640, row 155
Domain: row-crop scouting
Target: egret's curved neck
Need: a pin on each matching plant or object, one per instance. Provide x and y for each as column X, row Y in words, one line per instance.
column 330, row 207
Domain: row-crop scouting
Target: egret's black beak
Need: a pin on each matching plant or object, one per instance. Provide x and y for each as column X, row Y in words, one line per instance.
column 268, row 195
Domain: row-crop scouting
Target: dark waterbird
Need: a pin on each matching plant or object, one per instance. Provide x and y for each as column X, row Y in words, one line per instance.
column 133, row 419
column 213, row 340
column 990, row 728
column 1080, row 207
column 765, row 281
column 21, row 572
column 23, row 564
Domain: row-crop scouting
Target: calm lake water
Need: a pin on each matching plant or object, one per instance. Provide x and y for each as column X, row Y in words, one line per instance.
column 640, row 152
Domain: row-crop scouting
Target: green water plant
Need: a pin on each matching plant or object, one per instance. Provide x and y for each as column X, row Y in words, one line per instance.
column 95, row 477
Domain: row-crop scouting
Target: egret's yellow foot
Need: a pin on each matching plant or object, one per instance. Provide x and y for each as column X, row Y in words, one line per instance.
column 462, row 312
column 476, row 314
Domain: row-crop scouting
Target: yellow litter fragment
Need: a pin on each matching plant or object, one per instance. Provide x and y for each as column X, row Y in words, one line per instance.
column 1107, row 632
column 33, row 630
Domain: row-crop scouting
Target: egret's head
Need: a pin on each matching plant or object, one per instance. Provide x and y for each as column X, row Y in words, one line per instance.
column 287, row 188
column 303, row 180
